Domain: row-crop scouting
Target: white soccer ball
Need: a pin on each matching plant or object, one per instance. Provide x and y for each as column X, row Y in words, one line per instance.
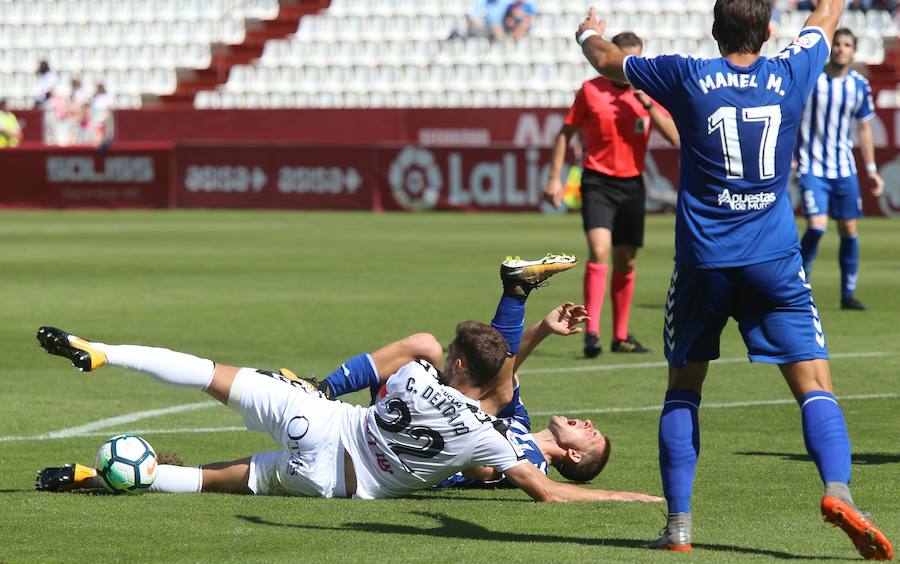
column 126, row 463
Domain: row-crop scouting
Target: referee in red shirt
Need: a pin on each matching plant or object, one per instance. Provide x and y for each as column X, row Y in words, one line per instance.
column 615, row 121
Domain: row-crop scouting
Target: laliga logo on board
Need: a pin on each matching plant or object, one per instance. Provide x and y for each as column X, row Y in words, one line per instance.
column 416, row 180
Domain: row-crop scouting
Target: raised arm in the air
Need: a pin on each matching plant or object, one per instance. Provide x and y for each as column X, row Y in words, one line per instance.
column 826, row 15
column 602, row 54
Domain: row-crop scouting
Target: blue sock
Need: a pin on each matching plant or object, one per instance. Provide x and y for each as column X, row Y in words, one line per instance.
column 809, row 246
column 825, row 435
column 509, row 320
column 849, row 260
column 358, row 373
column 679, row 447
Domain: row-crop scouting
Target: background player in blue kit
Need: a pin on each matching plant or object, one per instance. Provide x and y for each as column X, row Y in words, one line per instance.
column 736, row 249
column 826, row 167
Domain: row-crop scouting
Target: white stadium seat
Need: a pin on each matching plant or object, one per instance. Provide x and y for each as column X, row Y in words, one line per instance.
column 400, row 55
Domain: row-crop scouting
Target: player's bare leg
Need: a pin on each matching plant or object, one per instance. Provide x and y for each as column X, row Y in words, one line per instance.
column 599, row 241
column 679, row 439
column 220, row 385
column 828, row 444
column 227, row 477
column 807, row 376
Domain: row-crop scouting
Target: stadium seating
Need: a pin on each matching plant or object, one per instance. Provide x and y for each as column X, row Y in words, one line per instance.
column 396, row 53
column 133, row 47
column 356, row 53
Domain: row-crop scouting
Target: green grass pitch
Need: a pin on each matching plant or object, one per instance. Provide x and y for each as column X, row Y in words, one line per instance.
column 307, row 290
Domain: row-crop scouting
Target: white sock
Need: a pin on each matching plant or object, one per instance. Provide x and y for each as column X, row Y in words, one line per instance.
column 169, row 367
column 177, row 479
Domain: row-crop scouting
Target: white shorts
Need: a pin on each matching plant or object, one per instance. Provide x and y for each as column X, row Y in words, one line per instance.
column 306, row 424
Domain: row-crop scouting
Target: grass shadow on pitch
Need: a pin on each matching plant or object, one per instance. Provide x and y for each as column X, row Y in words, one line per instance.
column 863, row 459
column 453, row 528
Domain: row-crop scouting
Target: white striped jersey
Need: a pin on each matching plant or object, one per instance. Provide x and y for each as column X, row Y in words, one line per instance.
column 825, row 140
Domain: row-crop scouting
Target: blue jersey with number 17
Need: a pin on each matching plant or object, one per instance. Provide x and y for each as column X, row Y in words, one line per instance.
column 738, row 126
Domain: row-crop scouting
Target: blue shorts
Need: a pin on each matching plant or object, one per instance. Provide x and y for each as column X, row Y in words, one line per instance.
column 840, row 196
column 771, row 301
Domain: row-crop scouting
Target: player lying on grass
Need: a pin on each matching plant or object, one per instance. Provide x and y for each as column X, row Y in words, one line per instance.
column 574, row 447
column 736, row 244
column 425, row 429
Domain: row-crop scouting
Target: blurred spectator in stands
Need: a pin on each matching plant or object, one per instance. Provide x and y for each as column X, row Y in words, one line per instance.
column 89, row 131
column 78, row 95
column 485, row 19
column 775, row 19
column 46, row 81
column 102, row 115
column 102, row 102
column 10, row 132
column 866, row 5
column 519, row 17
column 58, row 129
column 862, row 5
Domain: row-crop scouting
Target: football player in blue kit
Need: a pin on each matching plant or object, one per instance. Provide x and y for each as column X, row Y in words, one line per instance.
column 826, row 169
column 736, row 243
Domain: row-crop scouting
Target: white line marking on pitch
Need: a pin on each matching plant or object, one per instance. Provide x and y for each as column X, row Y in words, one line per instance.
column 664, row 364
column 91, row 429
column 113, row 228
column 657, row 407
column 87, row 428
column 599, row 410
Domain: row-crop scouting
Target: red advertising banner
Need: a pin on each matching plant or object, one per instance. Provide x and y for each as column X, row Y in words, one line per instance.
column 274, row 177
column 310, row 126
column 293, row 176
column 127, row 176
column 438, row 127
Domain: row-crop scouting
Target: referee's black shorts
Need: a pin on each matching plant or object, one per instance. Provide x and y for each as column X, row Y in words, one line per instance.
column 617, row 204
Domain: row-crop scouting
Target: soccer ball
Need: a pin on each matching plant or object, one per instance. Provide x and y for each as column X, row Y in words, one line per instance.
column 126, row 463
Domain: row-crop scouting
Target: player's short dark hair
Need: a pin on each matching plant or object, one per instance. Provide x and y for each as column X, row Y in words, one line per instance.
column 843, row 32
column 741, row 26
column 589, row 467
column 482, row 348
column 627, row 39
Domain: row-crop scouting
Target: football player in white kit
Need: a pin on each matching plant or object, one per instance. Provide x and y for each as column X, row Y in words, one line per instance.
column 426, row 428
column 574, row 447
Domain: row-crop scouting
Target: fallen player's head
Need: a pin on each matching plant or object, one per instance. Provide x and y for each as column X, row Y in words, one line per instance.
column 741, row 26
column 478, row 351
column 587, row 449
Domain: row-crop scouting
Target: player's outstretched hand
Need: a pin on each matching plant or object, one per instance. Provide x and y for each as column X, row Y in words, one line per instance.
column 553, row 192
column 643, row 498
column 591, row 22
column 565, row 319
column 876, row 184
